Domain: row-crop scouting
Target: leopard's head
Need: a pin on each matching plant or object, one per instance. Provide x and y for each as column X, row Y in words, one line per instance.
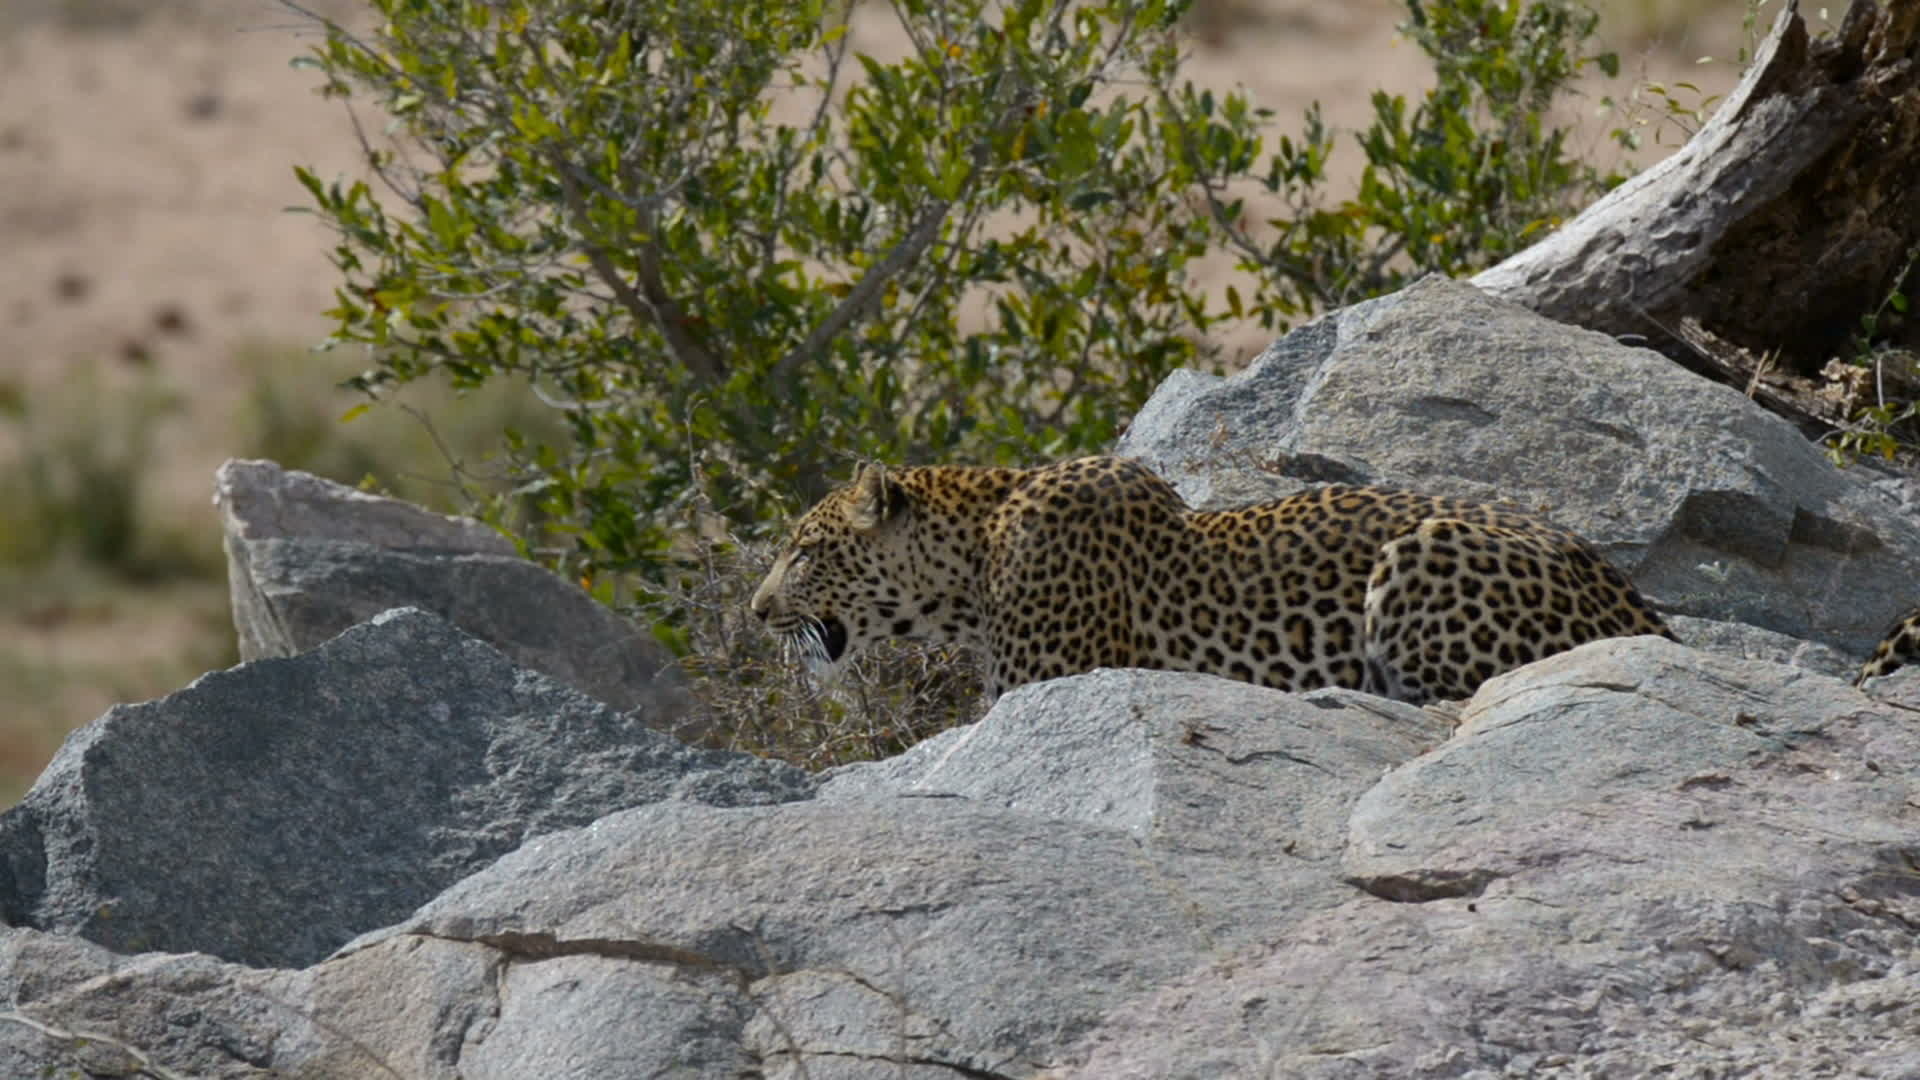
column 857, row 570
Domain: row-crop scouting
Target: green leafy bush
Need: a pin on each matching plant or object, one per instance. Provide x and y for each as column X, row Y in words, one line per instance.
column 970, row 252
column 736, row 254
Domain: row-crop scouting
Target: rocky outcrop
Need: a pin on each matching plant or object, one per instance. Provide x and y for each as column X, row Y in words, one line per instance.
column 1629, row 858
column 1717, row 508
column 307, row 558
column 402, row 854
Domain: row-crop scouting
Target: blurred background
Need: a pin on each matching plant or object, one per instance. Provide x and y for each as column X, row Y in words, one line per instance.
column 159, row 305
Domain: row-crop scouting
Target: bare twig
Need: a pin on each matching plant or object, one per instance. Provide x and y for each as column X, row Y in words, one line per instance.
column 144, row 1064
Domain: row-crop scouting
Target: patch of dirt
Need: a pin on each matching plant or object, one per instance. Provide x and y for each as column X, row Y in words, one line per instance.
column 146, row 164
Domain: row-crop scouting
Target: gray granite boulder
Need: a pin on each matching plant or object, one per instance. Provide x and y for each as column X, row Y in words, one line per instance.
column 1633, row 859
column 268, row 813
column 307, row 558
column 1717, row 508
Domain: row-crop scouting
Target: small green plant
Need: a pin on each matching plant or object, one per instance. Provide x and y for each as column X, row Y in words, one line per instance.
column 74, row 484
column 1671, row 113
column 1889, row 425
column 1668, row 113
column 1892, row 308
column 1882, row 431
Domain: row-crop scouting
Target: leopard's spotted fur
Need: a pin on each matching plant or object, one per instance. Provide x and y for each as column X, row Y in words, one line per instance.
column 1098, row 563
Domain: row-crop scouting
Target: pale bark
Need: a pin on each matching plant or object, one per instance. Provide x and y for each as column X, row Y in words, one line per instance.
column 1788, row 216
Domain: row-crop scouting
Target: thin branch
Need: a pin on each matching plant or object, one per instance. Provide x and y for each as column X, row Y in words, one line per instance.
column 1297, row 269
column 867, row 291
column 836, row 53
column 925, row 230
column 651, row 303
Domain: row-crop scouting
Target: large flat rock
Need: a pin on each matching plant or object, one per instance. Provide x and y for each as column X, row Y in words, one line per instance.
column 269, row 813
column 929, row 931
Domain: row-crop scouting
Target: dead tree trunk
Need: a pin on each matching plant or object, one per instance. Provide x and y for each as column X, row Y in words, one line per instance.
column 1788, row 216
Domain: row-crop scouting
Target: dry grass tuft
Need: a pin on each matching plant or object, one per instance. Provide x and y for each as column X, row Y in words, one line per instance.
column 751, row 696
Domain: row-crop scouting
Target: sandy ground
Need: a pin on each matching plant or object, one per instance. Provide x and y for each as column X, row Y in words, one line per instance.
column 145, row 171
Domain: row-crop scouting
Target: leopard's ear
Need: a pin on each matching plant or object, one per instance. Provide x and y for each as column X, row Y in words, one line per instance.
column 878, row 499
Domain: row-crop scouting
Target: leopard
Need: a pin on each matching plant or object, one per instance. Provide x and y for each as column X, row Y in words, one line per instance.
column 1099, row 563
column 1899, row 648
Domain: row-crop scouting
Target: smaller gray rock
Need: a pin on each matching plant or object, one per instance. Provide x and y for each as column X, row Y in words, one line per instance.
column 1743, row 642
column 307, row 558
column 930, row 932
column 259, row 500
column 268, row 813
column 1195, row 423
